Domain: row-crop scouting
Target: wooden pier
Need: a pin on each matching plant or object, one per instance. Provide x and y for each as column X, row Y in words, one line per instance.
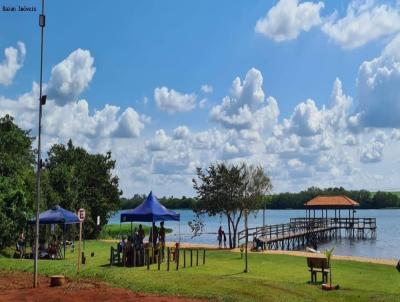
column 302, row 232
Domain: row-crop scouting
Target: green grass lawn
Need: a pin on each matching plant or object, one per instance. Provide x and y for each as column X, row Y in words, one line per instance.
column 112, row 231
column 270, row 277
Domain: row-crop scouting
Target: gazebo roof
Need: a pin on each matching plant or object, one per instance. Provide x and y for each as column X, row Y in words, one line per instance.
column 333, row 202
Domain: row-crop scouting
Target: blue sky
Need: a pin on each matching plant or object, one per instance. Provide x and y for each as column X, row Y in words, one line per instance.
column 127, row 76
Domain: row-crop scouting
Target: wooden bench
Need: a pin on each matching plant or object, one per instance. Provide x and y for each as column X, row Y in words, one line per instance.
column 318, row 265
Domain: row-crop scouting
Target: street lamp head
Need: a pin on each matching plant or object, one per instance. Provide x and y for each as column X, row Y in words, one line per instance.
column 43, row 100
column 42, row 20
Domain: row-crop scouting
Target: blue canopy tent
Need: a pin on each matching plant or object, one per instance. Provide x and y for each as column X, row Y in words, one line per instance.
column 57, row 215
column 151, row 210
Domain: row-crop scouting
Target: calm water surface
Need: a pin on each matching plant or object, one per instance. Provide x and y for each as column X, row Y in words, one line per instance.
column 386, row 244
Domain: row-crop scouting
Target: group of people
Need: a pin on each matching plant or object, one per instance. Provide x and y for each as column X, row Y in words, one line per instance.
column 50, row 250
column 221, row 236
column 134, row 247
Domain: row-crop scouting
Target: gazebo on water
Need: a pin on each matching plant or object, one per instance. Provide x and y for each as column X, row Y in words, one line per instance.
column 325, row 203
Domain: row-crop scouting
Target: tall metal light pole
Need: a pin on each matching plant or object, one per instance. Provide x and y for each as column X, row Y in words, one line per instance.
column 42, row 101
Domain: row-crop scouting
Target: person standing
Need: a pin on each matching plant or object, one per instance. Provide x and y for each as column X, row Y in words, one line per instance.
column 219, row 237
column 153, row 235
column 140, row 234
column 21, row 244
column 224, row 235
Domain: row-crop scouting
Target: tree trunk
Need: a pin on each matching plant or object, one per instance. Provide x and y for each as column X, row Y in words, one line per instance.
column 235, row 227
column 229, row 230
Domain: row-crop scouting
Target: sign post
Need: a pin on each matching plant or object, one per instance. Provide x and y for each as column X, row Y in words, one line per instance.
column 81, row 215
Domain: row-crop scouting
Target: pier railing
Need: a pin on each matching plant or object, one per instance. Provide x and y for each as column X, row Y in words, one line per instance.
column 303, row 226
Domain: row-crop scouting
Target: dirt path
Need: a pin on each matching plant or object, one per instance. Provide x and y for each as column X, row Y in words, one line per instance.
column 16, row 286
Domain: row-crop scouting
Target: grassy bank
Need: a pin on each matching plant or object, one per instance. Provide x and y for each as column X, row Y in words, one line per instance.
column 270, row 277
column 112, row 231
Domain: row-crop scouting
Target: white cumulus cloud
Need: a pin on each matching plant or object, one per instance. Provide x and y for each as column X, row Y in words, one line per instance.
column 245, row 108
column 173, row 101
column 364, row 22
column 288, row 18
column 13, row 61
column 372, row 152
column 378, row 85
column 71, row 77
column 207, row 88
column 181, row 132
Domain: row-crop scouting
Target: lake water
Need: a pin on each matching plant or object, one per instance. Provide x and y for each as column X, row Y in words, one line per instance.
column 385, row 245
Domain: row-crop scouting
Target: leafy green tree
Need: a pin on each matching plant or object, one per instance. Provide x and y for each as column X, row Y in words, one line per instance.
column 76, row 179
column 229, row 190
column 17, row 181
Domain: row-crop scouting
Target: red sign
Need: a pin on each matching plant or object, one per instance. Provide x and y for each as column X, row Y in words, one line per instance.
column 81, row 214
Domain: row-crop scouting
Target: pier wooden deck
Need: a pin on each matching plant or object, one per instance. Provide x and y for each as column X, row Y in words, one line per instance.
column 301, row 232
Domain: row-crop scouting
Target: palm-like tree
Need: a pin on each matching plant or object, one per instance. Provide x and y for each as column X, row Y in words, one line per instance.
column 328, row 254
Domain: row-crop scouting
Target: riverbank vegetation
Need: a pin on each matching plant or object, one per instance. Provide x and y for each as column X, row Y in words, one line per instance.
column 115, row 231
column 270, row 277
column 288, row 200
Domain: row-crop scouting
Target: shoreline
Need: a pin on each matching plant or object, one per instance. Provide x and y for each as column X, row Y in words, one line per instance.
column 383, row 261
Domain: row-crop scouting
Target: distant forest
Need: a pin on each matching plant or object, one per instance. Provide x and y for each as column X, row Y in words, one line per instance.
column 366, row 199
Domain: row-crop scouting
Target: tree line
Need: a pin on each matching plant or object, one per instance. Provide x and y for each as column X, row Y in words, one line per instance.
column 169, row 202
column 286, row 200
column 366, row 199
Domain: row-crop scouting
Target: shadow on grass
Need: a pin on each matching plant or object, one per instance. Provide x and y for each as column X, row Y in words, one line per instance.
column 234, row 274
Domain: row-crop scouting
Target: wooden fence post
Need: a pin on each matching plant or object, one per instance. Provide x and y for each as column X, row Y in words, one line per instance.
column 159, row 259
column 204, row 256
column 191, row 258
column 197, row 257
column 184, row 258
column 148, row 258
column 177, row 253
column 168, row 256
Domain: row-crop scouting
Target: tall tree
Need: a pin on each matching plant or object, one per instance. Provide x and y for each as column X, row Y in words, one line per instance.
column 77, row 179
column 16, row 179
column 229, row 190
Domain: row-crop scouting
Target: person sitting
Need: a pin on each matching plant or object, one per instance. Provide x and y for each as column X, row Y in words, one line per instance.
column 128, row 252
column 257, row 244
column 53, row 248
column 121, row 245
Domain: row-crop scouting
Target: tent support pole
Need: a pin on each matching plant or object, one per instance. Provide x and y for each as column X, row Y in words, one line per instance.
column 63, row 237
